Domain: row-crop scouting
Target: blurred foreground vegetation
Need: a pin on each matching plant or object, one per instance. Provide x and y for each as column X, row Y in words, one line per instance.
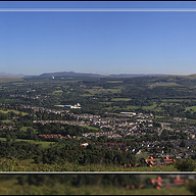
column 86, row 185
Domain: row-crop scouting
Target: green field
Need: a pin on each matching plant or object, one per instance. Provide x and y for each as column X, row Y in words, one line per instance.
column 115, row 81
column 153, row 107
column 191, row 108
column 14, row 111
column 45, row 144
column 131, row 107
column 121, row 99
column 25, row 128
column 86, row 95
column 174, row 100
column 95, row 91
column 107, row 102
column 91, row 128
column 164, row 84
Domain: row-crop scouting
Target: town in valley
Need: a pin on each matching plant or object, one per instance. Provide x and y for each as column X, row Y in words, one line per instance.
column 73, row 122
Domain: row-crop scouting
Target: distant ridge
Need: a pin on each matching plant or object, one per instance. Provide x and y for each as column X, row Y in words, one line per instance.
column 75, row 74
column 135, row 75
column 92, row 75
column 69, row 74
column 193, row 76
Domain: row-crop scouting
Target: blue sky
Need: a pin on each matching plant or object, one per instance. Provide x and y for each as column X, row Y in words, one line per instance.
column 98, row 42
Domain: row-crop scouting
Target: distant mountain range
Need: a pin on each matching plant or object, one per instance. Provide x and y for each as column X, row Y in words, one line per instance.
column 68, row 74
column 75, row 74
column 92, row 75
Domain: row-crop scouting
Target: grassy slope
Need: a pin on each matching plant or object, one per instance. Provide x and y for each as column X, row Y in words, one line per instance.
column 44, row 144
column 29, row 165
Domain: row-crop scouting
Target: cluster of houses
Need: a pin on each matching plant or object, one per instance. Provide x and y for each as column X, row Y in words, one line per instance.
column 108, row 134
column 126, row 123
column 159, row 149
column 39, row 109
column 109, row 125
column 62, row 122
column 76, row 106
column 166, row 160
column 116, row 126
column 6, row 127
column 29, row 97
column 53, row 136
column 191, row 132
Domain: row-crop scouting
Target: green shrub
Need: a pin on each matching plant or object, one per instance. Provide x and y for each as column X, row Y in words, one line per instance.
column 185, row 165
column 192, row 186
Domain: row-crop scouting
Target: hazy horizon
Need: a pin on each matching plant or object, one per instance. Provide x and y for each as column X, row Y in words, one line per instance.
column 104, row 43
column 6, row 74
